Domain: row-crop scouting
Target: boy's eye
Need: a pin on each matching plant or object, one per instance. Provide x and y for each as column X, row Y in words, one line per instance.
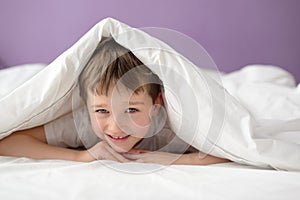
column 131, row 110
column 102, row 111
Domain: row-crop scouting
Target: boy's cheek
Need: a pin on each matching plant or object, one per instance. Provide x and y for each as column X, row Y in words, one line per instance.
column 97, row 129
column 140, row 121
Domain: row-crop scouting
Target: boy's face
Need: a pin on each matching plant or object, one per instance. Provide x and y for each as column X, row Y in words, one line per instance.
column 122, row 118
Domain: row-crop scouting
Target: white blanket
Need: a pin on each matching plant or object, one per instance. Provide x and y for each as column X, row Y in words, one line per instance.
column 260, row 126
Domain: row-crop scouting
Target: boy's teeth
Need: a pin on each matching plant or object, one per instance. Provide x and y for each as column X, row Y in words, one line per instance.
column 117, row 137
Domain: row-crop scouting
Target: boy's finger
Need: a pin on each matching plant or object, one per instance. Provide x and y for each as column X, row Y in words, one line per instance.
column 138, row 151
column 132, row 156
column 134, row 151
column 116, row 155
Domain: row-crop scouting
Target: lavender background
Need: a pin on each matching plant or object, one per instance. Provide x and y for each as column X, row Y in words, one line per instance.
column 234, row 32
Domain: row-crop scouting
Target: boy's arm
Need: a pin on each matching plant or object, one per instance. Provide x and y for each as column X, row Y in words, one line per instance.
column 199, row 158
column 166, row 158
column 32, row 143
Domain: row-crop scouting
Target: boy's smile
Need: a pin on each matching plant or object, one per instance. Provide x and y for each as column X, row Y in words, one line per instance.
column 122, row 118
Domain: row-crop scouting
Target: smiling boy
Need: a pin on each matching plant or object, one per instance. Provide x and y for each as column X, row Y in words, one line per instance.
column 125, row 108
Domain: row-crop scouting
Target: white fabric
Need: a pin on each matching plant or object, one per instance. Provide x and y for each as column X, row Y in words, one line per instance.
column 13, row 77
column 28, row 179
column 268, row 92
column 208, row 115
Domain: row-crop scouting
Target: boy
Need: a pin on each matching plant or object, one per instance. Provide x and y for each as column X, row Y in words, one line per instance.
column 124, row 103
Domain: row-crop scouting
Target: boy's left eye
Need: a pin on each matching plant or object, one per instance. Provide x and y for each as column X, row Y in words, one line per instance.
column 131, row 110
column 102, row 111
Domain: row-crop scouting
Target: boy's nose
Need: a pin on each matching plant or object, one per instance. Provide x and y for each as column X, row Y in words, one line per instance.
column 113, row 126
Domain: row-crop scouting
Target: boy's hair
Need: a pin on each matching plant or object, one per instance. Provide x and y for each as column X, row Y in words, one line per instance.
column 108, row 64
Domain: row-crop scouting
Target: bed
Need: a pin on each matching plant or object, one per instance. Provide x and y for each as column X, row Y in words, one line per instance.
column 264, row 166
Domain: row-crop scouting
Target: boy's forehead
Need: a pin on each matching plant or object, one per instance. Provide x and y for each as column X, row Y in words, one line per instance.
column 117, row 90
column 120, row 95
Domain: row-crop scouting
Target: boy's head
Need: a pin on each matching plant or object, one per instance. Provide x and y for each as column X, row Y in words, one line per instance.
column 121, row 95
column 109, row 63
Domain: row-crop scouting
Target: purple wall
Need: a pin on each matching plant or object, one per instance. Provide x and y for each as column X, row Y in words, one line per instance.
column 234, row 32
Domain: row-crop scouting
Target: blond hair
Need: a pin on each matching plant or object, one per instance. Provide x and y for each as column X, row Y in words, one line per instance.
column 109, row 63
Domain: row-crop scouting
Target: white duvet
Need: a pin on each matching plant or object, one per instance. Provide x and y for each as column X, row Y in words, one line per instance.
column 255, row 121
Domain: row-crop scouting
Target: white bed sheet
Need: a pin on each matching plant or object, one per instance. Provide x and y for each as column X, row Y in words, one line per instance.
column 23, row 178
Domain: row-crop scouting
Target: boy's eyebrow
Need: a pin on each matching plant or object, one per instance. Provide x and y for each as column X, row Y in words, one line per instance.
column 100, row 105
column 132, row 103
column 136, row 103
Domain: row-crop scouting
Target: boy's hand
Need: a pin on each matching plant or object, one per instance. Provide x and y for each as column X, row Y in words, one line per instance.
column 102, row 151
column 165, row 158
column 157, row 157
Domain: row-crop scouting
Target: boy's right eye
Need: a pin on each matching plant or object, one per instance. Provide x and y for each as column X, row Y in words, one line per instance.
column 102, row 111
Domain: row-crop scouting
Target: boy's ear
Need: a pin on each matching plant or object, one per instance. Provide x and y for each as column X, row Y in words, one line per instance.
column 157, row 105
column 159, row 99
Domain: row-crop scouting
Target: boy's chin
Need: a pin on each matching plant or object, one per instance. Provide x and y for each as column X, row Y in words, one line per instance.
column 121, row 149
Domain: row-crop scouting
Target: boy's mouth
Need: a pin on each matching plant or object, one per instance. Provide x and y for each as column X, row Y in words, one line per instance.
column 118, row 138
